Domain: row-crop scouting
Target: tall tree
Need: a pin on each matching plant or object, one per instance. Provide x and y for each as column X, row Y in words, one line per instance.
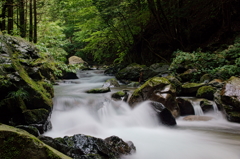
column 35, row 21
column 30, row 20
column 22, row 18
column 3, row 15
column 10, row 16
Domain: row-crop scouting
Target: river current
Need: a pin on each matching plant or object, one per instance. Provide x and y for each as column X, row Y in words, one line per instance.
column 76, row 112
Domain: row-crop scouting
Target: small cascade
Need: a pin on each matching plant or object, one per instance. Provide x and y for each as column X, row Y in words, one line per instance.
column 215, row 107
column 197, row 108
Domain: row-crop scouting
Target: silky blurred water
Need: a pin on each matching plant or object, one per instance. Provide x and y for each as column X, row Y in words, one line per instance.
column 76, row 112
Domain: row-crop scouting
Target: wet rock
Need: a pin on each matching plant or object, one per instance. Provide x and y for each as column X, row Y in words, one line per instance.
column 157, row 89
column 206, row 92
column 165, row 116
column 185, row 106
column 121, row 95
column 197, row 118
column 111, row 83
column 230, row 99
column 99, row 90
column 17, row 143
column 206, row 105
column 83, row 146
column 175, row 81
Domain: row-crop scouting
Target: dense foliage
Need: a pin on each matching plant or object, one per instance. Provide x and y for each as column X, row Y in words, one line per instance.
column 142, row 31
column 220, row 64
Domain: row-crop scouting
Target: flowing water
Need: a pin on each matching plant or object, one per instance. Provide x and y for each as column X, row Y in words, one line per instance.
column 76, row 112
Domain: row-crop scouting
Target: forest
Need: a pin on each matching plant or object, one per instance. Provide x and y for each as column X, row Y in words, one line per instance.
column 156, row 79
column 122, row 31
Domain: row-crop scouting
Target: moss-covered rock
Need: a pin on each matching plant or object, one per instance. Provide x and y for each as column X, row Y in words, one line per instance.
column 23, row 86
column 120, row 95
column 111, row 83
column 157, row 89
column 190, row 89
column 99, row 90
column 17, row 144
column 206, row 92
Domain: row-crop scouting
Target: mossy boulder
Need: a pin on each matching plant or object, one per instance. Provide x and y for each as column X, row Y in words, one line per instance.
column 230, row 99
column 206, row 92
column 121, row 95
column 17, row 144
column 23, row 86
column 190, row 89
column 157, row 89
column 111, row 83
column 176, row 82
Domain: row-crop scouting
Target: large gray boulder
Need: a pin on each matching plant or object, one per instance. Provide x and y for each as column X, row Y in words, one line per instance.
column 230, row 99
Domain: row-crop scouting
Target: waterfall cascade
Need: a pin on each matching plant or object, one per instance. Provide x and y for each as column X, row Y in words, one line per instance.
column 76, row 112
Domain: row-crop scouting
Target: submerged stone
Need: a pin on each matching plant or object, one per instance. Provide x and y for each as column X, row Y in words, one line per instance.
column 197, row 118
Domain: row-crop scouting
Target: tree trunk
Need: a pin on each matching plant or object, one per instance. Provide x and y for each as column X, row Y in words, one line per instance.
column 30, row 21
column 10, row 17
column 22, row 19
column 35, row 21
column 3, row 17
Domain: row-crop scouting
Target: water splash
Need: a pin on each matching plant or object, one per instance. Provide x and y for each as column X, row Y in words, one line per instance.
column 99, row 116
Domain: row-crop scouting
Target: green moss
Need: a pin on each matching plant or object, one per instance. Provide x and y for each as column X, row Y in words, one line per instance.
column 17, row 143
column 120, row 93
column 205, row 90
column 151, row 82
column 190, row 85
column 99, row 90
column 38, row 87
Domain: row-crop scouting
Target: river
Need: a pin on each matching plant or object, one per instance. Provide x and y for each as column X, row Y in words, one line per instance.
column 76, row 112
